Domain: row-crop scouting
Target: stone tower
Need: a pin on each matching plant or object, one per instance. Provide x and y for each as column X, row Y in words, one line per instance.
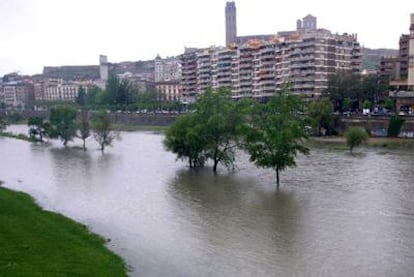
column 231, row 23
column 103, row 68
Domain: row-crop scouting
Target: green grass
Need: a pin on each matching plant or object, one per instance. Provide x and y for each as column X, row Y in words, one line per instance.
column 17, row 136
column 34, row 242
column 131, row 128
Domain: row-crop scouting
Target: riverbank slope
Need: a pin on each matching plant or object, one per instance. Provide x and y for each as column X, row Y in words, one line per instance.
column 35, row 242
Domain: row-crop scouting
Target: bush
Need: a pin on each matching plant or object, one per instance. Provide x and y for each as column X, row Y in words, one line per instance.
column 355, row 136
column 396, row 123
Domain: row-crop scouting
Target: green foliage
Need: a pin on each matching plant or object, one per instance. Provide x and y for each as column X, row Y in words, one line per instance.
column 35, row 242
column 82, row 97
column 84, row 126
column 63, row 123
column 355, row 136
column 38, row 128
column 3, row 123
column 102, row 129
column 221, row 119
column 347, row 104
column 395, row 125
column 389, row 104
column 14, row 117
column 276, row 132
column 119, row 94
column 344, row 85
column 366, row 104
column 211, row 132
column 185, row 138
column 320, row 115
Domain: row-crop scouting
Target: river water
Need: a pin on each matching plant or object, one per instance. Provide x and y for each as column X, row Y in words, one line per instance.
column 336, row 214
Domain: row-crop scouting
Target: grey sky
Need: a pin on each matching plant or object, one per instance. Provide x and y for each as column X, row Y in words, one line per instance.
column 35, row 33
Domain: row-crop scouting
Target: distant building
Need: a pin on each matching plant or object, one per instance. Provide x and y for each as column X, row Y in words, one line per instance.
column 168, row 69
column 400, row 70
column 303, row 59
column 17, row 94
column 59, row 89
column 169, row 91
column 231, row 22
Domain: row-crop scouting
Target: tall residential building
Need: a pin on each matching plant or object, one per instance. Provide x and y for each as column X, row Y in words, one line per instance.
column 400, row 70
column 189, row 74
column 303, row 61
column 231, row 23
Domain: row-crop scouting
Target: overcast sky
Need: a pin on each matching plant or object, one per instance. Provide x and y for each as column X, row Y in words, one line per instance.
column 35, row 33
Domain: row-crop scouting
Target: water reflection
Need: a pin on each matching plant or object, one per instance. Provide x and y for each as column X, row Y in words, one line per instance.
column 229, row 214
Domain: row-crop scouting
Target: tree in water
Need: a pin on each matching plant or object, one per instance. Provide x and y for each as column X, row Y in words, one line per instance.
column 185, row 139
column 102, row 129
column 355, row 136
column 63, row 123
column 276, row 133
column 3, row 123
column 221, row 119
column 84, row 126
column 38, row 128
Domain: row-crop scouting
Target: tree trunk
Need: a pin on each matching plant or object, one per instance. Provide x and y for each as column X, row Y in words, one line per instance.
column 102, row 147
column 84, row 145
column 215, row 166
column 277, row 177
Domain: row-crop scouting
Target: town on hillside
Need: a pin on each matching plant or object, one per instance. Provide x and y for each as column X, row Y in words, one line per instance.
column 305, row 60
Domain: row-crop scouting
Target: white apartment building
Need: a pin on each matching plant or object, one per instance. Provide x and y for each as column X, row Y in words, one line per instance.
column 168, row 69
column 301, row 61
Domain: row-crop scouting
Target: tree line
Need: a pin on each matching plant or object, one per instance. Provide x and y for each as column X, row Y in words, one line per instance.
column 272, row 133
column 66, row 123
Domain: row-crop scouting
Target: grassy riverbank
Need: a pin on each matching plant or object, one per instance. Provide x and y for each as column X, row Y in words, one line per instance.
column 34, row 242
column 385, row 142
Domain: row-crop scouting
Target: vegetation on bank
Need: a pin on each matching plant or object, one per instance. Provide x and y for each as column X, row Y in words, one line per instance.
column 35, row 242
column 339, row 143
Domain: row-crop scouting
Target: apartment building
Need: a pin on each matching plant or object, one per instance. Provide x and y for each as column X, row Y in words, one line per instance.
column 17, row 94
column 189, row 74
column 303, row 61
column 169, row 91
column 168, row 69
column 400, row 70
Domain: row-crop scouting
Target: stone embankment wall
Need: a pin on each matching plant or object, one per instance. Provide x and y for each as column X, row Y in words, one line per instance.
column 149, row 119
column 377, row 126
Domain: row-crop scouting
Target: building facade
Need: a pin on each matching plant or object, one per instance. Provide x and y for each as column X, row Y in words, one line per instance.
column 168, row 69
column 400, row 70
column 17, row 94
column 169, row 91
column 302, row 61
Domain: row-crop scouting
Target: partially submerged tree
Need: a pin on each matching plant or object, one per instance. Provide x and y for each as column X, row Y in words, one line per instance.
column 211, row 132
column 185, row 139
column 102, row 129
column 220, row 118
column 84, row 126
column 355, row 136
column 39, row 128
column 63, row 123
column 3, row 123
column 276, row 133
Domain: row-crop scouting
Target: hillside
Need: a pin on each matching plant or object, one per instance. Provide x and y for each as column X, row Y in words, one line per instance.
column 371, row 57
